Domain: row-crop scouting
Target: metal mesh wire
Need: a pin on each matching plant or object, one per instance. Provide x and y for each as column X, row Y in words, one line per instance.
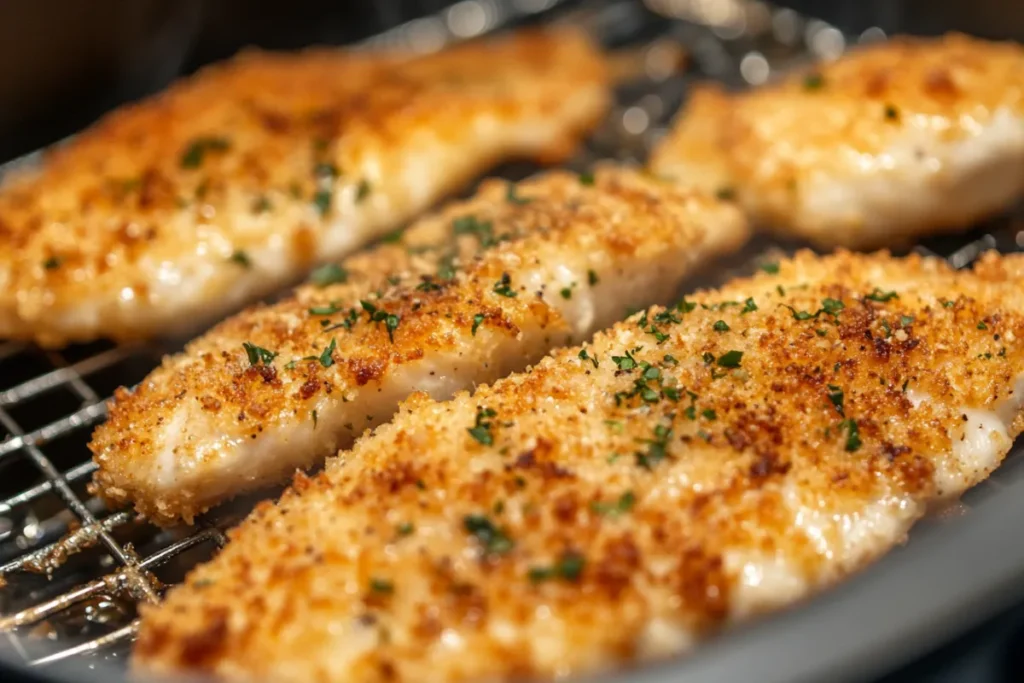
column 73, row 572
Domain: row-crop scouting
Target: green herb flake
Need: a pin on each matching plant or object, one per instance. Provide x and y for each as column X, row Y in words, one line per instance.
column 329, row 274
column 615, row 508
column 494, row 540
column 196, row 151
column 481, row 429
column 813, row 82
column 771, row 267
column 363, row 191
column 726, row 194
column 892, row 113
column 657, row 448
column 327, row 357
column 52, row 263
column 381, row 586
column 836, row 396
column 584, row 356
column 670, row 360
column 315, row 417
column 880, row 296
column 261, row 204
column 820, row 332
column 832, row 306
column 241, row 258
column 566, row 292
column 258, row 354
column 513, row 198
column 906, row 320
column 592, row 277
column 709, row 414
column 503, row 287
column 982, row 325
column 322, row 201
column 948, row 304
column 586, row 178
column 749, row 306
column 627, row 362
column 405, row 529
column 730, row 359
column 478, row 319
column 720, row 326
column 853, row 442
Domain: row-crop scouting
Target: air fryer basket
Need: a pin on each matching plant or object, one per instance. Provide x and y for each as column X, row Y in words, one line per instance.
column 72, row 572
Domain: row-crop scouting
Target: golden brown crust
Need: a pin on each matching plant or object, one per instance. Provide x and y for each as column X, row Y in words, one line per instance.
column 813, row 155
column 667, row 499
column 286, row 159
column 440, row 280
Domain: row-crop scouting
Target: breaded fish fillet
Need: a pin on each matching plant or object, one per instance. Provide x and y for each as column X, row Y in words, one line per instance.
column 483, row 289
column 889, row 143
column 235, row 182
column 622, row 500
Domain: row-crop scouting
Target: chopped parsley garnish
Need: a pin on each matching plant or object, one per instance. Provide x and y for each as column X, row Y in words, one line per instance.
column 329, row 274
column 197, row 149
column 771, row 267
column 627, row 362
column 621, row 506
column 721, row 326
column 656, row 447
column 569, row 567
column 748, row 306
column 821, row 332
column 892, row 113
column 481, row 429
column 814, row 81
column 586, row 178
column 322, row 201
column 382, row 586
column 477, row 321
column 405, row 528
column 853, row 441
column 446, row 268
column 494, row 540
column 377, row 315
column 482, row 230
column 393, row 237
column 888, row 328
column 835, row 395
column 329, row 309
column 315, row 418
column 906, row 320
column 52, row 263
column 592, row 277
column 566, row 292
column 325, row 170
column 730, row 359
column 615, row 426
column 258, row 354
column 832, row 306
column 241, row 258
column 726, row 194
column 363, row 191
column 513, row 198
column 685, row 306
column 709, row 414
column 948, row 304
column 982, row 325
column 584, row 356
column 428, row 285
column 708, row 357
column 327, row 357
column 503, row 286
column 670, row 360
column 261, row 204
column 880, row 296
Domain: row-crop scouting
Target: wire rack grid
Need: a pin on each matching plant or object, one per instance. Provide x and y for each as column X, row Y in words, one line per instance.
column 65, row 559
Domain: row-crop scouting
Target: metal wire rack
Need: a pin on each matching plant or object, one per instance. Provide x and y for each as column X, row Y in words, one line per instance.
column 73, row 573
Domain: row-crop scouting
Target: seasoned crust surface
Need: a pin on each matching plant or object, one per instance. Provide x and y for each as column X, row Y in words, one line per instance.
column 884, row 145
column 667, row 488
column 235, row 181
column 573, row 252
